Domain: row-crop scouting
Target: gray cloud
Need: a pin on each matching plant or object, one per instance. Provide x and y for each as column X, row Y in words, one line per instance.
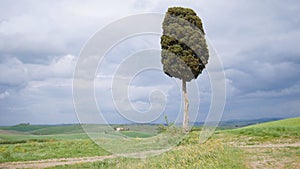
column 4, row 95
column 257, row 42
column 34, row 31
column 15, row 72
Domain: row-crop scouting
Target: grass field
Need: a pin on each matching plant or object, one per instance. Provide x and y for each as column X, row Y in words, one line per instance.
column 46, row 149
column 267, row 145
column 29, row 142
column 282, row 130
column 210, row 155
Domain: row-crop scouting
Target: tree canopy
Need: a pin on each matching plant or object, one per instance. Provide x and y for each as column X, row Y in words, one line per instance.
column 184, row 50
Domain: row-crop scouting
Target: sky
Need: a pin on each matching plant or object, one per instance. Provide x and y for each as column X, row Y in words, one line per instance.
column 40, row 43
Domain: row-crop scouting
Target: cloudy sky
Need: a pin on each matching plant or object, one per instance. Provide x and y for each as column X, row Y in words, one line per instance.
column 40, row 42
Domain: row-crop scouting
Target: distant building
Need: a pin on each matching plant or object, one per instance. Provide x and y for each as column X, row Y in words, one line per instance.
column 121, row 129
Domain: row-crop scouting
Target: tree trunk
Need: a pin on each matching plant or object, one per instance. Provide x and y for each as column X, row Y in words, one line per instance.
column 185, row 123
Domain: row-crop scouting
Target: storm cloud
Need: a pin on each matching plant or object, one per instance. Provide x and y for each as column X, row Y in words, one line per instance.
column 257, row 42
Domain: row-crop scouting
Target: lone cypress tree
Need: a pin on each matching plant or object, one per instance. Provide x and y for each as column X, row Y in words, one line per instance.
column 184, row 49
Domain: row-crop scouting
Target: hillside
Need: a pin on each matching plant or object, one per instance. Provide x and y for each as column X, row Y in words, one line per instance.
column 264, row 145
column 24, row 127
column 287, row 128
column 44, row 129
column 291, row 122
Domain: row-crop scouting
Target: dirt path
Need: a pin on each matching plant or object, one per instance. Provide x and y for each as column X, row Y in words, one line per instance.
column 265, row 156
column 66, row 161
column 272, row 145
column 260, row 159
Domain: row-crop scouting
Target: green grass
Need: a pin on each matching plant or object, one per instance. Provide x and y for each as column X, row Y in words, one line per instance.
column 209, row 155
column 136, row 134
column 271, row 132
column 18, row 137
column 287, row 128
column 291, row 122
column 68, row 129
column 46, row 142
column 57, row 142
column 46, row 149
column 24, row 147
column 45, row 129
column 70, row 144
column 117, row 143
column 24, row 127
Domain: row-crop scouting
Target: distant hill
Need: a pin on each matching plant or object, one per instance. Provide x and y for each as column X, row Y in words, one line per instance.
column 45, row 129
column 27, row 128
column 24, row 127
column 141, row 130
column 239, row 123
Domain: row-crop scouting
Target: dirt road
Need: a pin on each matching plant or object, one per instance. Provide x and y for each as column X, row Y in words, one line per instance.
column 65, row 161
column 279, row 156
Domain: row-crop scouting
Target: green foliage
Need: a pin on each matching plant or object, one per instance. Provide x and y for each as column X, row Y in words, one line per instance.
column 184, row 50
column 169, row 124
column 163, row 128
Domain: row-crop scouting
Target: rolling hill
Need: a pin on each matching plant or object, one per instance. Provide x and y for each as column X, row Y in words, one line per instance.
column 276, row 129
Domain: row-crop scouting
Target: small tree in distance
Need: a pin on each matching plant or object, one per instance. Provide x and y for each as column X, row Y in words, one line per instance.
column 184, row 50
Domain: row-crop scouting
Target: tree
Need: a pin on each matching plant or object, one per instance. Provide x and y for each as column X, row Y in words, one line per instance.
column 184, row 50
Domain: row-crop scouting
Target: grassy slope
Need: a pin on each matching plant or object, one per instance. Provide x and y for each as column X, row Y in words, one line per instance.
column 267, row 145
column 287, row 128
column 24, row 127
column 47, row 149
column 45, row 129
column 291, row 122
column 24, row 133
column 34, row 142
column 69, row 129
column 135, row 134
column 22, row 137
column 209, row 155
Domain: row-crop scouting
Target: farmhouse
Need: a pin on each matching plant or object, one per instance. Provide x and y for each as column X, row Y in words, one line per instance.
column 121, row 129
